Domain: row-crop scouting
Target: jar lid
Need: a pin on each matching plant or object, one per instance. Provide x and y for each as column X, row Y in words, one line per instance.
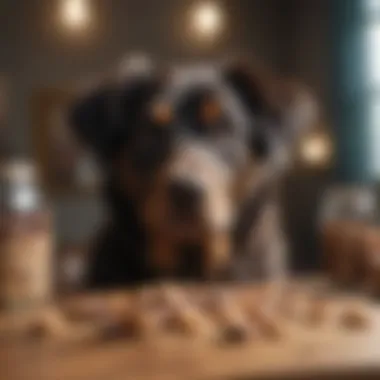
column 18, row 170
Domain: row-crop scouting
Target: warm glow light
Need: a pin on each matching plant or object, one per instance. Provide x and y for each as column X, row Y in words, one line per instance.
column 75, row 14
column 316, row 150
column 207, row 20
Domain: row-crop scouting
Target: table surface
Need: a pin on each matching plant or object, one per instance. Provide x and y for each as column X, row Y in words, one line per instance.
column 320, row 352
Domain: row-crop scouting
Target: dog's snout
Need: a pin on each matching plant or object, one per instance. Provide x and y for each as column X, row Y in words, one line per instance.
column 184, row 195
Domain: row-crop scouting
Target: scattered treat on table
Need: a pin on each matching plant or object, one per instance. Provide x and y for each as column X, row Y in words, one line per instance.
column 354, row 317
column 186, row 317
column 218, row 315
column 233, row 324
column 190, row 322
column 50, row 324
column 234, row 333
column 141, row 322
column 268, row 323
column 118, row 330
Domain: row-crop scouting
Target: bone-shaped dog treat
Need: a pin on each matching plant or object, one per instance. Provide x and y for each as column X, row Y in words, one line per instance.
column 148, row 313
column 267, row 321
column 185, row 317
column 51, row 324
column 135, row 320
column 354, row 317
column 233, row 324
column 109, row 315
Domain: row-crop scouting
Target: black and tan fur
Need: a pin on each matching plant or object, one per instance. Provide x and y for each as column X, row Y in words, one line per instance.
column 192, row 159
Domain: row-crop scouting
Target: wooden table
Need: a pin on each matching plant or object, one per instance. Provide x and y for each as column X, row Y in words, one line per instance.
column 322, row 352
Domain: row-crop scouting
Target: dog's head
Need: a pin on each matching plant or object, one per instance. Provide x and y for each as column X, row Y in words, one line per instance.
column 189, row 146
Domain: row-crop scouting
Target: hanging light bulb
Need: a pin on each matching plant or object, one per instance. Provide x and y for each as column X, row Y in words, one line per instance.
column 75, row 14
column 316, row 149
column 207, row 20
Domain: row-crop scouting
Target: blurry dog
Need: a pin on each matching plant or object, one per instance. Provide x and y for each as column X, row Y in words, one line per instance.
column 192, row 158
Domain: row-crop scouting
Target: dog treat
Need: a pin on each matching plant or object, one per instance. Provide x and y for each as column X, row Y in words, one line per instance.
column 145, row 316
column 354, row 318
column 234, row 333
column 131, row 326
column 220, row 315
column 268, row 323
column 111, row 316
column 185, row 317
column 233, row 324
column 189, row 321
column 50, row 324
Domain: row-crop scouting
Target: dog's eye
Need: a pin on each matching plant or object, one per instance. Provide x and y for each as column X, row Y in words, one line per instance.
column 210, row 112
column 201, row 111
column 161, row 115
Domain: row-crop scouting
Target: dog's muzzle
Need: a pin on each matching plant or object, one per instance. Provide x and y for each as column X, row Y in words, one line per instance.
column 185, row 199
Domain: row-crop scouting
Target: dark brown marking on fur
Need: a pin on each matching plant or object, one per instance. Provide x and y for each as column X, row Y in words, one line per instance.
column 118, row 121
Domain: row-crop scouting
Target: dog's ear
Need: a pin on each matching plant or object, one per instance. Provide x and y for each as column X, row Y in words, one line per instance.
column 288, row 105
column 103, row 117
column 89, row 118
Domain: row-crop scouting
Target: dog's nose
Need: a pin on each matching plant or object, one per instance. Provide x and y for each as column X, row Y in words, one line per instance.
column 185, row 196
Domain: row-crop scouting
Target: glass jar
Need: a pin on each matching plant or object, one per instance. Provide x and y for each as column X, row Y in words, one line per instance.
column 347, row 214
column 26, row 238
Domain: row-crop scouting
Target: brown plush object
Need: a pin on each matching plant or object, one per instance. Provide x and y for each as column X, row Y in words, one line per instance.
column 344, row 245
column 371, row 260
